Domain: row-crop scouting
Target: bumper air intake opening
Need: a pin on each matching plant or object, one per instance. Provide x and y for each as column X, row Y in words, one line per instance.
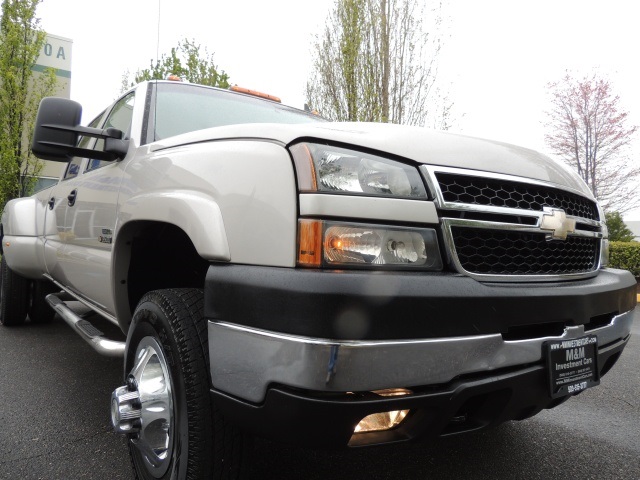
column 600, row 321
column 477, row 412
column 526, row 332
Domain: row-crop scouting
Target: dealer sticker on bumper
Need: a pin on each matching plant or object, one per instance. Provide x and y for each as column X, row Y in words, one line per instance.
column 572, row 365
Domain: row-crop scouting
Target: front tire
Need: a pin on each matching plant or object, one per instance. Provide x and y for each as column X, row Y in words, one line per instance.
column 179, row 433
column 14, row 296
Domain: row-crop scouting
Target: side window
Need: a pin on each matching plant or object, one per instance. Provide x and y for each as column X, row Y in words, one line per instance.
column 73, row 168
column 120, row 118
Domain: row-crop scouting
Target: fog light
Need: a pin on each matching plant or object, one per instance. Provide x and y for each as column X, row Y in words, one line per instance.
column 378, row 422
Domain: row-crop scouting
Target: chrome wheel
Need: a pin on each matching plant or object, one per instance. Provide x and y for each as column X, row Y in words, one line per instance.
column 144, row 407
column 165, row 408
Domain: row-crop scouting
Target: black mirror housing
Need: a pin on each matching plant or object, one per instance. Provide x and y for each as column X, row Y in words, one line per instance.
column 50, row 144
column 57, row 130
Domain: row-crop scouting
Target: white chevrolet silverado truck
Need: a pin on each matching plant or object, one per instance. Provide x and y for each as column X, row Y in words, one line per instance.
column 329, row 284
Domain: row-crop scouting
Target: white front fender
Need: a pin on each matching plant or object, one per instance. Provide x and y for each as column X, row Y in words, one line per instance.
column 197, row 214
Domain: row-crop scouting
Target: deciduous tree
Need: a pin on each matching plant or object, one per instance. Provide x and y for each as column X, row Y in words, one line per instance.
column 377, row 61
column 590, row 131
column 21, row 39
column 189, row 61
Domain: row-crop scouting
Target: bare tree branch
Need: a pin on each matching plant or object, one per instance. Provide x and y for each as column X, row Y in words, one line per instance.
column 376, row 62
column 587, row 129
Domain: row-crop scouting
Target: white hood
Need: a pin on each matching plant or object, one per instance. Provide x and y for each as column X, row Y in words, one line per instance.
column 414, row 143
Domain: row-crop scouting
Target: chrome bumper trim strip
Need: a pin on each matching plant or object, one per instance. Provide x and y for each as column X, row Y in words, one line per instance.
column 245, row 361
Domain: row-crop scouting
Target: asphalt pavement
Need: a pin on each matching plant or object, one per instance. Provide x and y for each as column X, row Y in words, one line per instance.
column 54, row 412
column 54, row 424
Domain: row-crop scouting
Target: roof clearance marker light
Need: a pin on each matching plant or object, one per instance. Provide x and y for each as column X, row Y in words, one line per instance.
column 307, row 108
column 174, row 78
column 255, row 93
column 309, row 243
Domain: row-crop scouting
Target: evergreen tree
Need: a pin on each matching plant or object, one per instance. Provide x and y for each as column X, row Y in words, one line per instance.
column 618, row 230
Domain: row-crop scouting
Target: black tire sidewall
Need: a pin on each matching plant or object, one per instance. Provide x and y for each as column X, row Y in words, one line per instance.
column 150, row 321
column 14, row 296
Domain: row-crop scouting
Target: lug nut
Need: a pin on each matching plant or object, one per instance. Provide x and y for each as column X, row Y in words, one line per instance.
column 125, row 410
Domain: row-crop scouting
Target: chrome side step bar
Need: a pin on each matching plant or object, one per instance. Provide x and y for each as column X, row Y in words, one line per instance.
column 85, row 329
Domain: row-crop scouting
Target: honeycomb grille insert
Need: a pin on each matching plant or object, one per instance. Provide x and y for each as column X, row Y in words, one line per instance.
column 500, row 193
column 500, row 252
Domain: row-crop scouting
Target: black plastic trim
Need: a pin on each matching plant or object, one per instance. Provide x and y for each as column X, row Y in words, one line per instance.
column 404, row 305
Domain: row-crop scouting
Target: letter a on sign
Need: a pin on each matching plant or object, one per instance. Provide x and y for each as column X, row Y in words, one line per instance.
column 61, row 53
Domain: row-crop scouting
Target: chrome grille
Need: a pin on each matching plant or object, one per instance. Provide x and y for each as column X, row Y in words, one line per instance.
column 501, row 252
column 502, row 193
column 494, row 230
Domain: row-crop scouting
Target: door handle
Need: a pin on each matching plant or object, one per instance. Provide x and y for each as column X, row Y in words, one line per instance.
column 52, row 203
column 72, row 197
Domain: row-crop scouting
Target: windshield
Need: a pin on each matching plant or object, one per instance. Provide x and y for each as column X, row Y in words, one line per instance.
column 182, row 108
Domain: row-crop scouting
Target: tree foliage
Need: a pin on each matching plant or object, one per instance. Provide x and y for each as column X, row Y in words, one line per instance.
column 189, row 61
column 618, row 230
column 588, row 129
column 21, row 40
column 376, row 61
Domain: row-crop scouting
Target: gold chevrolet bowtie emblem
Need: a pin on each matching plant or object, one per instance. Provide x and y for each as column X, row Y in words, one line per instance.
column 557, row 222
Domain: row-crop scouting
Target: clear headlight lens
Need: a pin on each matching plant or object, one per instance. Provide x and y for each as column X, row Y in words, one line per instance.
column 323, row 168
column 336, row 244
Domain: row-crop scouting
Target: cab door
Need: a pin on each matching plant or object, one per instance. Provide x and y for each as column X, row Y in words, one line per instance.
column 57, row 233
column 90, row 216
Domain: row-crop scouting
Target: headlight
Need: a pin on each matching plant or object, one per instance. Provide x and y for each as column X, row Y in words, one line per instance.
column 338, row 244
column 323, row 168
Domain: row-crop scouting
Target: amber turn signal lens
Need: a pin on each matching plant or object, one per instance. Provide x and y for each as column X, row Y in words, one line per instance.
column 310, row 243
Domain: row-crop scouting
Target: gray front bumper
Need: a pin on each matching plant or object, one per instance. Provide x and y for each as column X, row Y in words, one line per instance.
column 245, row 361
